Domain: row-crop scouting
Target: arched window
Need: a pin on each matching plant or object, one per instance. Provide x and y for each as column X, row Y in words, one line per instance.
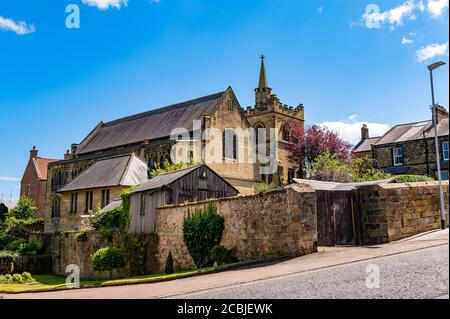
column 229, row 151
column 258, row 127
column 285, row 134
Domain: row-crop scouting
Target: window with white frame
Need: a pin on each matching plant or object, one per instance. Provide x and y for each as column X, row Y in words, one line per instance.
column 445, row 150
column 397, row 154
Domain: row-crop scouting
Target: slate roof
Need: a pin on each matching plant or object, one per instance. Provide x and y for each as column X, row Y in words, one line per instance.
column 41, row 166
column 413, row 131
column 366, row 145
column 126, row 170
column 149, row 125
column 114, row 204
column 165, row 179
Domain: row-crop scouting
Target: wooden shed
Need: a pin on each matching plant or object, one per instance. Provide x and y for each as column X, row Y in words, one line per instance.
column 196, row 183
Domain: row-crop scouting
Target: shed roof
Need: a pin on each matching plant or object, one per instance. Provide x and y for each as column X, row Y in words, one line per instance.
column 167, row 178
column 149, row 125
column 114, row 204
column 126, row 170
column 333, row 186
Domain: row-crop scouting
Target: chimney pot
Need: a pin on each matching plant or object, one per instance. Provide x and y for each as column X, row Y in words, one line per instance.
column 34, row 152
column 364, row 132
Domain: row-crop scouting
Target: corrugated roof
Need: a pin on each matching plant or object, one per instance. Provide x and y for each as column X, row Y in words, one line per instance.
column 150, row 125
column 41, row 165
column 366, row 145
column 332, row 186
column 126, row 170
column 165, row 179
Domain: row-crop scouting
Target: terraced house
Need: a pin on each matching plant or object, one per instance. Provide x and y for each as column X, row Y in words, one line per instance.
column 147, row 136
column 409, row 148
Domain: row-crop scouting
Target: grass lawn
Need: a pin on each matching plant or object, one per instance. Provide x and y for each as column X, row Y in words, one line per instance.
column 54, row 282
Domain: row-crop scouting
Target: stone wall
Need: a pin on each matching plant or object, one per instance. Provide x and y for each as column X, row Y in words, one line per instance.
column 279, row 223
column 33, row 264
column 66, row 249
column 394, row 211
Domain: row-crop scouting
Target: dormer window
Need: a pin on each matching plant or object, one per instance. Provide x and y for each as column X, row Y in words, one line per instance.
column 397, row 155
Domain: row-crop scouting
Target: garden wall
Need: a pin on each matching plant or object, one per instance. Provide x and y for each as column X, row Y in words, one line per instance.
column 279, row 223
column 394, row 211
column 32, row 264
column 66, row 249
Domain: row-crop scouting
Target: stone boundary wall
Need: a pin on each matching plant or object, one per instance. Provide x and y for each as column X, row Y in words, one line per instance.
column 393, row 211
column 66, row 249
column 278, row 223
column 33, row 264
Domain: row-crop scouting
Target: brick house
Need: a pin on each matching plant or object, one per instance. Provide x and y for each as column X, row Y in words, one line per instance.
column 410, row 148
column 34, row 180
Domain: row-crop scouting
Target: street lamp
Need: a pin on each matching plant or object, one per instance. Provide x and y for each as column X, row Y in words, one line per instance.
column 432, row 67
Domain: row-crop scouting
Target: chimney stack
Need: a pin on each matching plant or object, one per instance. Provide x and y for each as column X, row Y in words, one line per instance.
column 68, row 155
column 73, row 148
column 34, row 152
column 441, row 113
column 364, row 132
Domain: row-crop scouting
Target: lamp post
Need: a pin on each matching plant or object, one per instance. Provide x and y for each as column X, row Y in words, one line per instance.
column 432, row 67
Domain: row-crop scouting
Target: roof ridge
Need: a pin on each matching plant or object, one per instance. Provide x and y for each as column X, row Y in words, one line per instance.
column 181, row 169
column 166, row 108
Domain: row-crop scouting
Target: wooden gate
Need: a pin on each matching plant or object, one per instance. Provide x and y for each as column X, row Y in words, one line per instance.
column 337, row 218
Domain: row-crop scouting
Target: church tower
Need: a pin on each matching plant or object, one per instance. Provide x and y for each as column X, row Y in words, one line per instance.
column 268, row 112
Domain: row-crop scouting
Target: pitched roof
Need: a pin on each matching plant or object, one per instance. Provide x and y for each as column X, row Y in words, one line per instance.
column 165, row 179
column 114, row 204
column 149, row 125
column 41, row 166
column 366, row 145
column 126, row 170
column 413, row 131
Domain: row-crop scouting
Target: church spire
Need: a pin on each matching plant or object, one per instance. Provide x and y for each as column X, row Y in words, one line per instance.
column 262, row 75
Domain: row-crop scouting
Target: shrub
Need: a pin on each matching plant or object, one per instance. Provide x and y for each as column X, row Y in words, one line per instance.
column 81, row 236
column 169, row 264
column 16, row 245
column 5, row 240
column 220, row 255
column 17, row 278
column 27, row 276
column 6, row 253
column 25, row 209
column 108, row 258
column 412, row 179
column 201, row 232
column 32, row 247
column 263, row 187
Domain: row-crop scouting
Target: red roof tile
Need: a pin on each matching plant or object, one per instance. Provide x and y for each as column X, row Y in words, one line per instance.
column 41, row 166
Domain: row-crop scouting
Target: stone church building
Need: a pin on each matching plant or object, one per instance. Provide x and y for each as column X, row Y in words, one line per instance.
column 147, row 136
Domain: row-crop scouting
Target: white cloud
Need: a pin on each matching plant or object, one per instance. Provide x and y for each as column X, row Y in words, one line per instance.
column 19, row 27
column 375, row 18
column 9, row 179
column 350, row 129
column 436, row 8
column 407, row 40
column 393, row 17
column 106, row 4
column 432, row 50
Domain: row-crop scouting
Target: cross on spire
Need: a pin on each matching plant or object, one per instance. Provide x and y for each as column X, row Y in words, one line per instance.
column 262, row 75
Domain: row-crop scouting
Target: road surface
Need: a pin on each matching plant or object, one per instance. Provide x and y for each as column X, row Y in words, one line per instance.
column 416, row 267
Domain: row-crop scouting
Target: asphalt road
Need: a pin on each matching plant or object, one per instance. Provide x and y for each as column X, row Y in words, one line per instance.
column 417, row 274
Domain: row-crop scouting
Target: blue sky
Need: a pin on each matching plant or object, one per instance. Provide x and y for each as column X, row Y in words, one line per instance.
column 347, row 66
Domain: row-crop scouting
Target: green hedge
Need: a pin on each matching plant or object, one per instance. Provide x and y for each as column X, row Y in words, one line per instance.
column 201, row 232
column 108, row 258
column 412, row 179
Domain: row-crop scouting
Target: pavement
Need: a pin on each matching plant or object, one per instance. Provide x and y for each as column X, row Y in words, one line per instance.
column 416, row 267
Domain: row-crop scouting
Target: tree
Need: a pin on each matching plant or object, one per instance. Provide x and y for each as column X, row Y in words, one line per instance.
column 25, row 209
column 307, row 145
